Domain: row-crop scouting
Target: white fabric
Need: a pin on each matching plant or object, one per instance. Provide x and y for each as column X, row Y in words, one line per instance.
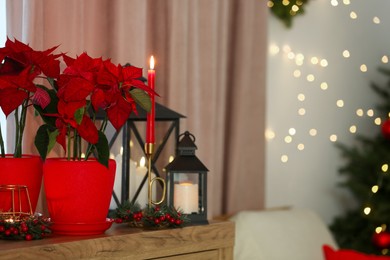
column 293, row 234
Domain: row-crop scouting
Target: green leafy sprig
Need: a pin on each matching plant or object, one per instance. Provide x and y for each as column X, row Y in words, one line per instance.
column 150, row 217
column 24, row 228
column 286, row 10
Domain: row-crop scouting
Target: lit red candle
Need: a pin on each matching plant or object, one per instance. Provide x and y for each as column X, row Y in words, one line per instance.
column 150, row 118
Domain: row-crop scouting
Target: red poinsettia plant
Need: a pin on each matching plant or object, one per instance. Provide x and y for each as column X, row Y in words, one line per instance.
column 69, row 105
column 20, row 66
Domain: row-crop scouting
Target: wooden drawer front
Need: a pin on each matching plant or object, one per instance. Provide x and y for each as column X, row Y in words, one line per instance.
column 205, row 255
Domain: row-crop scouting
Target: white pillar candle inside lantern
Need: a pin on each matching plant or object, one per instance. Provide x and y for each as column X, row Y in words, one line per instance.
column 186, row 197
column 141, row 171
column 118, row 178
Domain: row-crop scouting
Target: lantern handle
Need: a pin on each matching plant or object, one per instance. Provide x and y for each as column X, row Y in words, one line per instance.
column 186, row 133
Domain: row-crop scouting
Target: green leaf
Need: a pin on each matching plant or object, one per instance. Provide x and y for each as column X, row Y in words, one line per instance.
column 141, row 98
column 45, row 139
column 102, row 149
column 78, row 115
column 52, row 140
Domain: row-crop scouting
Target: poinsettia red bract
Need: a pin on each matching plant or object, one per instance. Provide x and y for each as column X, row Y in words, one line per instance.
column 20, row 65
column 69, row 105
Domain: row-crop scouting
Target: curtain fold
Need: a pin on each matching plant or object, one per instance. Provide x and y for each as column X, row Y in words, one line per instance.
column 211, row 68
column 245, row 103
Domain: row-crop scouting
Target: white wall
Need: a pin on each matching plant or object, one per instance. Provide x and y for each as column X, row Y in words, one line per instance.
column 309, row 177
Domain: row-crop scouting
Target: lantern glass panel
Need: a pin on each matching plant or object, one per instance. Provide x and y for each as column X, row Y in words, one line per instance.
column 186, row 192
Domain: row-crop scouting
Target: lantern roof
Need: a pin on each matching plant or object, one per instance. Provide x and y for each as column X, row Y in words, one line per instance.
column 186, row 145
column 186, row 164
column 162, row 114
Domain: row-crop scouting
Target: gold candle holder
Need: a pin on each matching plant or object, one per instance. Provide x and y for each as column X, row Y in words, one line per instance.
column 16, row 211
column 149, row 150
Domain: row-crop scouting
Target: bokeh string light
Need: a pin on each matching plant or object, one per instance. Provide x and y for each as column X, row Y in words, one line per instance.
column 368, row 209
column 300, row 59
column 317, row 63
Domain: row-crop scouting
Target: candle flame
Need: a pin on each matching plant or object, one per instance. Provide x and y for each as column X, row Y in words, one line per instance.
column 142, row 162
column 151, row 62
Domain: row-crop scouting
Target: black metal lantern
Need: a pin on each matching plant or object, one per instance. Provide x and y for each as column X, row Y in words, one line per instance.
column 129, row 130
column 187, row 181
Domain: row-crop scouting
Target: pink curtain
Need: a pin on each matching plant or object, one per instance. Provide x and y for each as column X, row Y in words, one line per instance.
column 211, row 68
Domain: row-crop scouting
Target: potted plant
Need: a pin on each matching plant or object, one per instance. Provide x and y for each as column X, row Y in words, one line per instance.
column 20, row 68
column 68, row 104
column 78, row 188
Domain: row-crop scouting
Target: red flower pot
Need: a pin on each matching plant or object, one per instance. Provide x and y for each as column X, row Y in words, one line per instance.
column 25, row 171
column 78, row 195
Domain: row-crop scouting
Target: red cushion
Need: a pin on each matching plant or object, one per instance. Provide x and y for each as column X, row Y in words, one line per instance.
column 331, row 254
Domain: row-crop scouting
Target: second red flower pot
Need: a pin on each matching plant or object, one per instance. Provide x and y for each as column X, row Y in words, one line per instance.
column 78, row 195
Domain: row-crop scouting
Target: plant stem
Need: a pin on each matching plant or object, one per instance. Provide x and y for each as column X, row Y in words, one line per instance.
column 2, row 144
column 104, row 125
column 102, row 129
column 69, row 142
column 75, row 154
column 77, row 146
column 19, row 125
column 16, row 116
column 23, row 117
column 88, row 152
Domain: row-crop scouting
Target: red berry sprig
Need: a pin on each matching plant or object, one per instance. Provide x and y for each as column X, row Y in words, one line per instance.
column 153, row 217
column 163, row 217
column 24, row 227
column 128, row 212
